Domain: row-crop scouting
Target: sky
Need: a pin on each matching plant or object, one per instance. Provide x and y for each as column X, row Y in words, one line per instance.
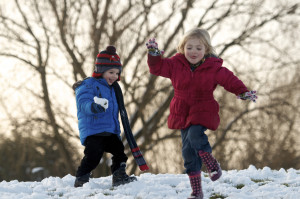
column 251, row 183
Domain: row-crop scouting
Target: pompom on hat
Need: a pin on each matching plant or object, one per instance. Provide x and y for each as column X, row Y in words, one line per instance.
column 106, row 60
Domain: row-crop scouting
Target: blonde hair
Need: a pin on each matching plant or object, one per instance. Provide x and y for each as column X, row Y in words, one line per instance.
column 200, row 34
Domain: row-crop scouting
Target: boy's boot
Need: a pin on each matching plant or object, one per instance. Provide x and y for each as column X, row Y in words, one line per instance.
column 213, row 167
column 79, row 181
column 120, row 177
column 195, row 180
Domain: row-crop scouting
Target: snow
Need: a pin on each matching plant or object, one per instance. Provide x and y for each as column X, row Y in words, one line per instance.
column 234, row 184
column 37, row 169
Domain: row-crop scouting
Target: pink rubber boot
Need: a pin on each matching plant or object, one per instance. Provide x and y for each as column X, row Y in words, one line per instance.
column 213, row 167
column 195, row 180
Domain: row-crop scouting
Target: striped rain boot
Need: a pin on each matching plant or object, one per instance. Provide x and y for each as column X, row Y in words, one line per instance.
column 213, row 167
column 195, row 180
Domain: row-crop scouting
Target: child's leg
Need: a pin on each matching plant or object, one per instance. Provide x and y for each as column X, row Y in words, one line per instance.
column 92, row 155
column 115, row 146
column 118, row 167
column 198, row 138
column 192, row 163
column 211, row 164
column 199, row 142
column 195, row 180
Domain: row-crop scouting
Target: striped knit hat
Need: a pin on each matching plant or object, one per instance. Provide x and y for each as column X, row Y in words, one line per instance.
column 106, row 60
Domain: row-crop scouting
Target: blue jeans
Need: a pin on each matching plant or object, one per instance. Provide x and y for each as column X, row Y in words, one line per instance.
column 193, row 140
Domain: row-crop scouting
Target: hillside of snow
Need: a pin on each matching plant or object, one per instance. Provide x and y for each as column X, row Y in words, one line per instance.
column 250, row 183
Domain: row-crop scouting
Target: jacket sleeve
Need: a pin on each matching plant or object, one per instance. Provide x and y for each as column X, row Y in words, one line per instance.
column 229, row 81
column 160, row 66
column 84, row 98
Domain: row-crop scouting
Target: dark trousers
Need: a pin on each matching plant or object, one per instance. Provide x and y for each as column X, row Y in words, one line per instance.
column 194, row 139
column 95, row 146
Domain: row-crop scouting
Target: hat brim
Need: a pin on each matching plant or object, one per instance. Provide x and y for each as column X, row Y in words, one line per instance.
column 98, row 75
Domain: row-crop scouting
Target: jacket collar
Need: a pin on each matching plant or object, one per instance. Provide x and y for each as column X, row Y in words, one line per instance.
column 209, row 61
column 102, row 81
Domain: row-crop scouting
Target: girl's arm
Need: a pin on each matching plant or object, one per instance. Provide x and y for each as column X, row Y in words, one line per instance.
column 230, row 82
column 160, row 66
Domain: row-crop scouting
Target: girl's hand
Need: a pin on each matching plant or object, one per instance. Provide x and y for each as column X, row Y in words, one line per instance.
column 153, row 48
column 251, row 95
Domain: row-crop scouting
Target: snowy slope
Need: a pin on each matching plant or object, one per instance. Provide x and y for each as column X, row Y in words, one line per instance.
column 244, row 184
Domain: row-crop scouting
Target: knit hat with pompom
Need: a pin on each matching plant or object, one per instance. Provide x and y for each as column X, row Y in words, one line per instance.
column 106, row 60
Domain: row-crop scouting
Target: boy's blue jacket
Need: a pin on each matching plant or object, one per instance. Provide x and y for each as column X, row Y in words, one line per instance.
column 90, row 123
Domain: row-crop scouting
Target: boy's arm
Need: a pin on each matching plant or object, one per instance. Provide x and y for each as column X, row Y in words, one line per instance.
column 84, row 99
column 86, row 102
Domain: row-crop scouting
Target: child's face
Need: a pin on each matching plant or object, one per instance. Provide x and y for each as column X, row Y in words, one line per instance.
column 194, row 50
column 111, row 75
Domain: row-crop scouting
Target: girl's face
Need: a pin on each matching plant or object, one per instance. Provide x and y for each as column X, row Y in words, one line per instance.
column 111, row 75
column 194, row 50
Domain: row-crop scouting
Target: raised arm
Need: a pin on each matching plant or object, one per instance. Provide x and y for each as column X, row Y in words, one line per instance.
column 158, row 66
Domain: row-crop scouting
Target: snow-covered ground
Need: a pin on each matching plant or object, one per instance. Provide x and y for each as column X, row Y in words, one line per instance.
column 244, row 184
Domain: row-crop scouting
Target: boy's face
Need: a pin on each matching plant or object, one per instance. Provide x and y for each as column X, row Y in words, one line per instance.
column 111, row 75
column 194, row 50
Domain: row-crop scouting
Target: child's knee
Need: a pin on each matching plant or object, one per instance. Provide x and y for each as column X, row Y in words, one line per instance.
column 196, row 133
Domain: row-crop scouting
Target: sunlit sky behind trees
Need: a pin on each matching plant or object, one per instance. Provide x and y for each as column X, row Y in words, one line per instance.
column 46, row 46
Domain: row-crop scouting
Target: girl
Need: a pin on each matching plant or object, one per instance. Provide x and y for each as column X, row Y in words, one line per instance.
column 97, row 112
column 195, row 72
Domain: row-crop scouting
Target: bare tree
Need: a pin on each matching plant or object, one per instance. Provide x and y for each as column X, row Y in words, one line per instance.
column 57, row 42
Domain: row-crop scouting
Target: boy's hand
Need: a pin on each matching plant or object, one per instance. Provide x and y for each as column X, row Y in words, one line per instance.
column 101, row 101
column 96, row 108
column 251, row 95
column 153, row 48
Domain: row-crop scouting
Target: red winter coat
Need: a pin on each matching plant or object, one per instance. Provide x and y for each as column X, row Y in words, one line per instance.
column 193, row 102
